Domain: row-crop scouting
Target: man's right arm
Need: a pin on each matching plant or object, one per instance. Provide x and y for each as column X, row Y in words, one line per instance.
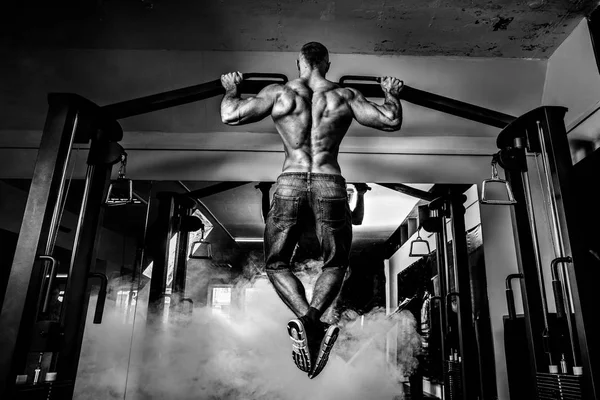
column 385, row 117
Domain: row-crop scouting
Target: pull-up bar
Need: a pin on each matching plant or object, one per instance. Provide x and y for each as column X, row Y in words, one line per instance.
column 255, row 82
column 190, row 94
column 431, row 100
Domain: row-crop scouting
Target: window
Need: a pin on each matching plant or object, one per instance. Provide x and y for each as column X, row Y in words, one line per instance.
column 220, row 301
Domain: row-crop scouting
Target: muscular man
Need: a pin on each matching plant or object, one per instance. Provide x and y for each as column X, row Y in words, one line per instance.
column 312, row 116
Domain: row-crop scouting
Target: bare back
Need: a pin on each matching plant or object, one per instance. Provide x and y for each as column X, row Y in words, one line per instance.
column 312, row 116
column 312, row 120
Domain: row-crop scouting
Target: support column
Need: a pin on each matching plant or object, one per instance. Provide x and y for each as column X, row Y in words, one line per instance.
column 19, row 309
column 584, row 273
column 466, row 329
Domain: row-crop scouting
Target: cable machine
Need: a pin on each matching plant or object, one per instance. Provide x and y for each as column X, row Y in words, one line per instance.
column 561, row 366
column 73, row 120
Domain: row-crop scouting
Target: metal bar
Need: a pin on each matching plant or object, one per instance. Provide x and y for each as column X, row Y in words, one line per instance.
column 471, row 375
column 173, row 98
column 530, row 291
column 584, row 273
column 433, row 101
column 56, row 213
column 560, row 295
column 410, row 191
column 536, row 249
column 181, row 257
column 557, row 240
column 441, row 301
column 83, row 260
column 99, row 312
column 510, row 299
column 22, row 293
column 160, row 252
column 51, row 277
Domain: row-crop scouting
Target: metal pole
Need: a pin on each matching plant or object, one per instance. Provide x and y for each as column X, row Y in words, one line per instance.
column 446, row 285
column 83, row 260
column 557, row 239
column 432, row 101
column 190, row 94
column 538, row 262
column 19, row 308
column 56, row 214
column 444, row 236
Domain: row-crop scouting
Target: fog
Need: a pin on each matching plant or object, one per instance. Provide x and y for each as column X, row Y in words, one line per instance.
column 246, row 355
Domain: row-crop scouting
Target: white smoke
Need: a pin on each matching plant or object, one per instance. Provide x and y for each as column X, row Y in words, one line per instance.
column 244, row 356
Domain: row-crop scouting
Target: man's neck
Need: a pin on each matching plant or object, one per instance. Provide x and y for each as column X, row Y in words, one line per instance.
column 312, row 76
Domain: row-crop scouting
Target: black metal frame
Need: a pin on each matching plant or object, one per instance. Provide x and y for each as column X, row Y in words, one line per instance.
column 71, row 120
column 433, row 218
column 583, row 278
column 19, row 308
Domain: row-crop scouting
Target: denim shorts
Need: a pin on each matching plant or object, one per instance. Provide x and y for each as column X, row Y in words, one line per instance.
column 301, row 200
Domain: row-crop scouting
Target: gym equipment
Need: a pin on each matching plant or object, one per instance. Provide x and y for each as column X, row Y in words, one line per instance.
column 462, row 380
column 495, row 180
column 419, row 247
column 101, row 296
column 510, row 298
column 73, row 120
column 201, row 249
column 541, row 133
column 253, row 83
column 430, row 100
column 120, row 191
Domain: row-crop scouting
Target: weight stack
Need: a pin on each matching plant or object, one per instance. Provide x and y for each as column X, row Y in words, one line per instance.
column 453, row 380
column 558, row 386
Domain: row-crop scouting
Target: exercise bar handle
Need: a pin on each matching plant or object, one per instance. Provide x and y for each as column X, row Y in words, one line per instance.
column 250, row 75
column 190, row 94
column 510, row 298
column 53, row 268
column 101, row 296
column 559, row 300
column 346, row 78
column 431, row 100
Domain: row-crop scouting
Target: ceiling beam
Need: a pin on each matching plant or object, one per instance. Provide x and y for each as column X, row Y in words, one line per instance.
column 409, row 191
column 214, row 189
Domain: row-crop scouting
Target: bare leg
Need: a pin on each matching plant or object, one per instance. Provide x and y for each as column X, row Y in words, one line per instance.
column 332, row 314
column 290, row 290
column 327, row 288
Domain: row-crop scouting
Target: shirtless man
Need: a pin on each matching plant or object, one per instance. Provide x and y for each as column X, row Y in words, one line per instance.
column 312, row 116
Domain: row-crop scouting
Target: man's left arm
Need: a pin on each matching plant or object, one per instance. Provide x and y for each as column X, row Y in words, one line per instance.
column 238, row 111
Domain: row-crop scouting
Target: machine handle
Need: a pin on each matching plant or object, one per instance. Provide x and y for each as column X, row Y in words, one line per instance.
column 101, row 296
column 558, row 299
column 557, row 285
column 251, row 75
column 510, row 299
column 510, row 304
column 53, row 267
column 346, row 78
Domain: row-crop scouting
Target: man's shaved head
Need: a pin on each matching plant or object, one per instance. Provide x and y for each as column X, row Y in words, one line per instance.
column 314, row 54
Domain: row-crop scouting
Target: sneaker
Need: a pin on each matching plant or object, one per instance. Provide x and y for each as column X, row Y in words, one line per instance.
column 329, row 338
column 300, row 351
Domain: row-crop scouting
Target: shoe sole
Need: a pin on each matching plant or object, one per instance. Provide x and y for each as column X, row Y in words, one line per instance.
column 326, row 345
column 300, row 352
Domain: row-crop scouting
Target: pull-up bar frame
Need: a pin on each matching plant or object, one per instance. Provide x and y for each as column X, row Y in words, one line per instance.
column 255, row 82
